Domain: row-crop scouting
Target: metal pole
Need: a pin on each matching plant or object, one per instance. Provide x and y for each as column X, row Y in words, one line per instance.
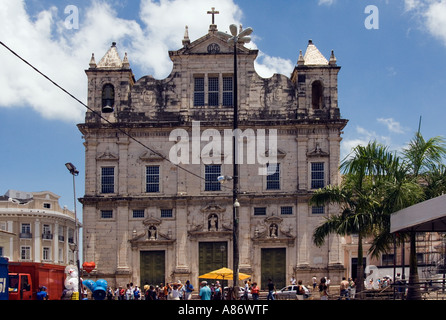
column 77, row 240
column 74, row 172
column 235, row 221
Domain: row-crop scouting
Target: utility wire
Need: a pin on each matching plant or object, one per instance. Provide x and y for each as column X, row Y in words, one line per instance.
column 99, row 115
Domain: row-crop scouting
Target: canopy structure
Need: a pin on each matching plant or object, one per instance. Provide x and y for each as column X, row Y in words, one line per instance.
column 427, row 216
column 223, row 274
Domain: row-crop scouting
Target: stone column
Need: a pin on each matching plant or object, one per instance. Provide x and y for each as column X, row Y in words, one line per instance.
column 37, row 241
column 122, row 235
column 302, row 163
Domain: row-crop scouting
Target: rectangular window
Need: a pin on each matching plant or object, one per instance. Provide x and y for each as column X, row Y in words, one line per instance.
column 260, row 211
column 25, row 232
column 26, row 228
column 286, row 210
column 273, row 179
column 317, row 175
column 228, row 99
column 138, row 213
column 106, row 214
column 213, row 91
column 46, row 232
column 25, row 253
column 61, row 235
column 211, row 173
column 47, row 205
column 152, row 179
column 70, row 235
column 199, row 92
column 107, row 180
column 166, row 213
column 46, row 254
column 317, row 210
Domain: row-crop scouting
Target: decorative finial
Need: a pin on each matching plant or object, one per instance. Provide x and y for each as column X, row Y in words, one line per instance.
column 92, row 62
column 125, row 62
column 186, row 39
column 301, row 60
column 332, row 58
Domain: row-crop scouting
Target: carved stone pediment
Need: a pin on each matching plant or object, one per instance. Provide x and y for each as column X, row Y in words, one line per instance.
column 151, row 221
column 317, row 152
column 150, row 156
column 213, row 208
column 272, row 230
column 107, row 156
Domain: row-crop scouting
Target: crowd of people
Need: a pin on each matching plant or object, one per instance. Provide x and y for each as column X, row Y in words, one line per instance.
column 168, row 291
column 214, row 291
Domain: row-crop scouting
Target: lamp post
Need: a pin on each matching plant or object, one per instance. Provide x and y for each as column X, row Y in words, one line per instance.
column 74, row 172
column 242, row 38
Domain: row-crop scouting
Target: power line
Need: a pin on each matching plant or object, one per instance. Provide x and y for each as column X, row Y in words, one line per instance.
column 99, row 115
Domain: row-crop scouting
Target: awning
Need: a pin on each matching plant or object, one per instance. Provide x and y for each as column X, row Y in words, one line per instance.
column 426, row 216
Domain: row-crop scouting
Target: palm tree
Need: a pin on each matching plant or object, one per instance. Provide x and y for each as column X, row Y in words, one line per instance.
column 358, row 197
column 421, row 156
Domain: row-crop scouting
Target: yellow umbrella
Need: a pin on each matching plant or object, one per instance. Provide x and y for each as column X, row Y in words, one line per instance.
column 223, row 274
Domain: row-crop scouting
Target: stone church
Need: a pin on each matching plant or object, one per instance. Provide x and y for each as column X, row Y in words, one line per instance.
column 147, row 218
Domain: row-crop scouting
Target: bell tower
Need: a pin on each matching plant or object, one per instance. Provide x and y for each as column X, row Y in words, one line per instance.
column 316, row 81
column 109, row 85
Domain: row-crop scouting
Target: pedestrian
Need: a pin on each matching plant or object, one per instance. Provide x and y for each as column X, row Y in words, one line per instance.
column 121, row 293
column 217, row 292
column 293, row 281
column 42, row 294
column 343, row 289
column 300, row 290
column 137, row 293
column 323, row 289
column 314, row 282
column 151, row 294
column 109, row 293
column 188, row 288
column 255, row 291
column 129, row 292
column 245, row 292
column 175, row 291
column 271, row 290
column 205, row 291
column 351, row 288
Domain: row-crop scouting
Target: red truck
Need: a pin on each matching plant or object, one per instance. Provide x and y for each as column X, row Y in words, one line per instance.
column 26, row 279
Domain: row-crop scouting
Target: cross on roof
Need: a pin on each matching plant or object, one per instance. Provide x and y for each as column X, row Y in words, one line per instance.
column 213, row 12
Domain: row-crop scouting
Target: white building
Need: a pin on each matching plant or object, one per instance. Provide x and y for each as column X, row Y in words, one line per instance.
column 34, row 228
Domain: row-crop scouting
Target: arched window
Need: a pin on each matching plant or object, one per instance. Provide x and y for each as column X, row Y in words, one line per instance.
column 317, row 93
column 108, row 98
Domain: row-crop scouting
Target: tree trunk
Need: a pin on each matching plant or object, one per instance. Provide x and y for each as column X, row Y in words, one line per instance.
column 413, row 292
column 360, row 269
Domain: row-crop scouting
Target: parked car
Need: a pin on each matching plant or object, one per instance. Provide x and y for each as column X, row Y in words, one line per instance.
column 290, row 292
column 241, row 293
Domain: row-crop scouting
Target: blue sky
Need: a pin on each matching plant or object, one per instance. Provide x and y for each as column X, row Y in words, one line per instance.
column 390, row 76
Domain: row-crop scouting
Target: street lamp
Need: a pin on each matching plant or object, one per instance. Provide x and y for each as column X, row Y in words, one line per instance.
column 242, row 38
column 74, row 172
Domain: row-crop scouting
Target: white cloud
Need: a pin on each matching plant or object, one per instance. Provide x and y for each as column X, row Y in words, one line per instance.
column 64, row 54
column 326, row 2
column 392, row 125
column 361, row 137
column 432, row 14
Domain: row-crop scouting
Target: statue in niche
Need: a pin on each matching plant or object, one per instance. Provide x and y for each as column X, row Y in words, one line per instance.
column 213, row 222
column 152, row 233
column 273, row 230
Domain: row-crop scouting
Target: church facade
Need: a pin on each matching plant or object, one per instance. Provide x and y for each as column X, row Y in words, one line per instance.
column 154, row 210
